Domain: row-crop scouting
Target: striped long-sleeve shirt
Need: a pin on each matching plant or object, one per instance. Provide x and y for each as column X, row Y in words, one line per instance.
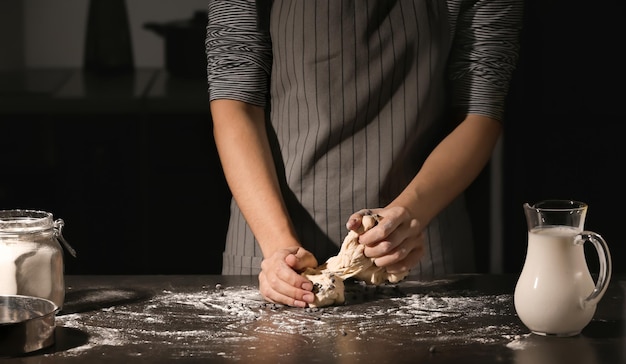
column 360, row 92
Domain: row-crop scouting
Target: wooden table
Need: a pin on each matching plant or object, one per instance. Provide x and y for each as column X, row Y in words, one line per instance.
column 199, row 318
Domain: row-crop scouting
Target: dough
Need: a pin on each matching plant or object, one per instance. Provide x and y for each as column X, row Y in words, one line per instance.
column 328, row 288
column 350, row 262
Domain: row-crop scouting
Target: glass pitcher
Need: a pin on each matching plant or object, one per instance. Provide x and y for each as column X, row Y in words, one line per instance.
column 555, row 293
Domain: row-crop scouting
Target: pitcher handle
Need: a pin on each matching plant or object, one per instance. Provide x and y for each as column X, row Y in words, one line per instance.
column 604, row 257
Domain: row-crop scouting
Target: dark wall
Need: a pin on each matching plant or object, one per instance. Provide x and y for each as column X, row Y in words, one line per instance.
column 144, row 193
column 138, row 196
column 564, row 133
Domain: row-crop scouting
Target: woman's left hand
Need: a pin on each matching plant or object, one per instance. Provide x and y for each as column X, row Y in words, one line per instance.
column 396, row 242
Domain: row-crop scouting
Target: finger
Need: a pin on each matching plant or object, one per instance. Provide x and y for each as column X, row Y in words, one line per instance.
column 383, row 230
column 276, row 297
column 281, row 284
column 400, row 253
column 385, row 240
column 293, row 277
column 301, row 260
column 390, row 252
column 285, row 281
column 410, row 262
column 354, row 221
column 394, row 230
column 380, row 249
column 279, row 291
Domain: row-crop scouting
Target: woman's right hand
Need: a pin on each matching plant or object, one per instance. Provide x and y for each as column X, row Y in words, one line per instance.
column 280, row 280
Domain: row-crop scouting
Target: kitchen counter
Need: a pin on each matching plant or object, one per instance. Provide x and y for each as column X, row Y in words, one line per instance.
column 212, row 318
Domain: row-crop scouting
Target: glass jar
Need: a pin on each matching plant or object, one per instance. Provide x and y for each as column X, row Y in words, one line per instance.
column 31, row 258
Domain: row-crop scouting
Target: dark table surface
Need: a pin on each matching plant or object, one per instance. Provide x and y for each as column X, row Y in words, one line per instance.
column 453, row 319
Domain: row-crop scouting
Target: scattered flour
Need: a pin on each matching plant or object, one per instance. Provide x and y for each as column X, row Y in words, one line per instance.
column 239, row 316
column 518, row 342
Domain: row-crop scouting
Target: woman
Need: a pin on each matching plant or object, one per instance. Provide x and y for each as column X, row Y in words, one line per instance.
column 323, row 110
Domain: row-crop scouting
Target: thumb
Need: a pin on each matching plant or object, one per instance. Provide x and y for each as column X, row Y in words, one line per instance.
column 301, row 259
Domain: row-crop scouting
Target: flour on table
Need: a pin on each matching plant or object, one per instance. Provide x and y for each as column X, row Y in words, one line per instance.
column 231, row 322
column 350, row 262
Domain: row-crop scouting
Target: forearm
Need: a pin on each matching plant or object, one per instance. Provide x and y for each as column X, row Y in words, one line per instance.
column 450, row 168
column 244, row 151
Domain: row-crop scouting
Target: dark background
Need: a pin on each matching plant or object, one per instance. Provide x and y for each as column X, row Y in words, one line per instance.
column 564, row 135
column 135, row 175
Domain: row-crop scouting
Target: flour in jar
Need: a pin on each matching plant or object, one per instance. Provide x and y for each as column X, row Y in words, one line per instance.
column 26, row 268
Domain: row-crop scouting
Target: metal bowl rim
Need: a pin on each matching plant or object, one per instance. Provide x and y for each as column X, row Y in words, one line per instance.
column 52, row 308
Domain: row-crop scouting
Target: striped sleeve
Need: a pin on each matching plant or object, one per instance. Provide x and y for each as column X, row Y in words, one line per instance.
column 484, row 53
column 238, row 52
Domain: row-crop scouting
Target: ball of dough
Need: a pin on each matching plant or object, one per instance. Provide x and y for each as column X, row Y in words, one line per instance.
column 351, row 261
column 327, row 287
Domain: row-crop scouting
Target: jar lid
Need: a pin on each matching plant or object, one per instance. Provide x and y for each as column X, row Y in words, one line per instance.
column 19, row 222
column 25, row 221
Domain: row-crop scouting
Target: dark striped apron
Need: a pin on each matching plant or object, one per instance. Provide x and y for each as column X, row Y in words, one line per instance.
column 358, row 102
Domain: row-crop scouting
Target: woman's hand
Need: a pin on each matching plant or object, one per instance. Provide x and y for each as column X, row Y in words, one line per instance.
column 280, row 280
column 396, row 243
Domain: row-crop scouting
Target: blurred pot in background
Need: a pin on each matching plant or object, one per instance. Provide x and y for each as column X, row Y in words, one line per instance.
column 184, row 45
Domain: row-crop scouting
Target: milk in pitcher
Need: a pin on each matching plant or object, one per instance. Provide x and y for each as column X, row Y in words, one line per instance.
column 553, row 285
